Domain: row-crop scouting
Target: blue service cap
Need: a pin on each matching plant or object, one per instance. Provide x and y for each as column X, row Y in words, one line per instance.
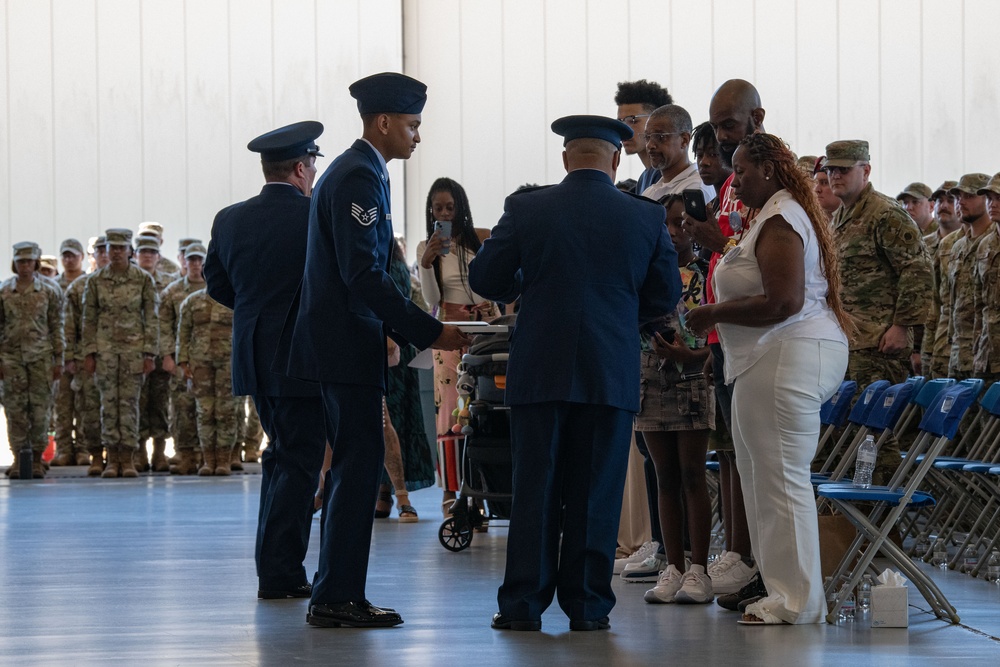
column 288, row 142
column 389, row 92
column 592, row 127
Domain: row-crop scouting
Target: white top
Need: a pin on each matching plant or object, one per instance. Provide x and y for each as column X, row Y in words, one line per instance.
column 738, row 275
column 454, row 281
column 686, row 180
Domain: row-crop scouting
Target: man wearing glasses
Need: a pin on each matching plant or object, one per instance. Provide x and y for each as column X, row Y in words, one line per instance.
column 667, row 137
column 885, row 277
column 636, row 100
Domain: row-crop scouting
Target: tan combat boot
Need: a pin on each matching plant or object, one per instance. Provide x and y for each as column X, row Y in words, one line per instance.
column 126, row 458
column 37, row 469
column 185, row 464
column 224, row 458
column 63, row 459
column 159, row 455
column 81, row 458
column 208, row 466
column 234, row 459
column 111, row 469
column 140, row 458
column 251, row 453
column 96, row 462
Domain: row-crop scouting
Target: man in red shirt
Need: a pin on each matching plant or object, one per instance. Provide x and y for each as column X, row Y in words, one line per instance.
column 734, row 112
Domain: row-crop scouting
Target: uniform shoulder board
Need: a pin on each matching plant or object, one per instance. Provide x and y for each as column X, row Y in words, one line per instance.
column 529, row 188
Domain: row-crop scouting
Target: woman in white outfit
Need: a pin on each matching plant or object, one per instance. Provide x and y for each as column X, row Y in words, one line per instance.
column 782, row 326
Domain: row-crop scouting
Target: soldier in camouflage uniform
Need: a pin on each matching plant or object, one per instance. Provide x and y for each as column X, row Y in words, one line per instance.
column 934, row 349
column 120, row 344
column 964, row 326
column 885, row 276
column 986, row 275
column 70, row 449
column 48, row 266
column 163, row 264
column 916, row 201
column 204, row 347
column 181, row 248
column 31, row 355
column 154, row 401
column 184, row 427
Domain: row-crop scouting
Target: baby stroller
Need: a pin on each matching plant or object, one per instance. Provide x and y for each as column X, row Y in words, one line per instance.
column 484, row 451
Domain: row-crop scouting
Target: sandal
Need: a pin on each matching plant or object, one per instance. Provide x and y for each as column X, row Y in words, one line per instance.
column 385, row 498
column 407, row 513
column 757, row 615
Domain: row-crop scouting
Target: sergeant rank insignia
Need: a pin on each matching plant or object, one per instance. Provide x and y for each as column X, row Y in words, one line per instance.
column 364, row 218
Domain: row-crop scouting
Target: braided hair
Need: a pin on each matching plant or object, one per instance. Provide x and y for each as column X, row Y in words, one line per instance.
column 760, row 147
column 462, row 228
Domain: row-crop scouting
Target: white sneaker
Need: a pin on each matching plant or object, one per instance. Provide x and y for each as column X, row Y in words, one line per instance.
column 647, row 570
column 730, row 574
column 696, row 587
column 722, row 563
column 667, row 585
column 644, row 552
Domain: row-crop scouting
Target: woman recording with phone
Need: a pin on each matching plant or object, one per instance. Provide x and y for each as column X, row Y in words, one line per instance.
column 452, row 242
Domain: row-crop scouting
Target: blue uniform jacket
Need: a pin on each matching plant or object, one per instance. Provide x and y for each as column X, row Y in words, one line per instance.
column 254, row 265
column 335, row 331
column 590, row 264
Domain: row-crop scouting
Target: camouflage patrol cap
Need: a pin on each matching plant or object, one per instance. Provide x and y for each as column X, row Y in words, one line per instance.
column 195, row 250
column 151, row 228
column 970, row 184
column 49, row 262
column 147, row 242
column 71, row 245
column 185, row 242
column 118, row 236
column 27, row 250
column 807, row 163
column 915, row 190
column 95, row 242
column 993, row 187
column 846, row 153
column 943, row 189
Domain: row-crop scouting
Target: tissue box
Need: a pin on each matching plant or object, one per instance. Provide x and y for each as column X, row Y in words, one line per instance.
column 889, row 607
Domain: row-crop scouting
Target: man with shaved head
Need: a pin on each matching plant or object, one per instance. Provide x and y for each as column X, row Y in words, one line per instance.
column 734, row 113
column 571, row 426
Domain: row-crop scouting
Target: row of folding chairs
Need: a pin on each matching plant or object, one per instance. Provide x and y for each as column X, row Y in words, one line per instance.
column 883, row 411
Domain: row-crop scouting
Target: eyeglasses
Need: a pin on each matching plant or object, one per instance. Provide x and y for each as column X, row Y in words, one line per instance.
column 658, row 137
column 634, row 118
column 840, row 171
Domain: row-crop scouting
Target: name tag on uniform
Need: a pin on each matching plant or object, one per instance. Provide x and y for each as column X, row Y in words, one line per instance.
column 732, row 254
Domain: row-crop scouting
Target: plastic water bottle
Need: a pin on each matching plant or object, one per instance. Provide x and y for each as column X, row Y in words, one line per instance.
column 939, row 556
column 865, row 593
column 847, row 608
column 864, row 464
column 971, row 560
column 993, row 567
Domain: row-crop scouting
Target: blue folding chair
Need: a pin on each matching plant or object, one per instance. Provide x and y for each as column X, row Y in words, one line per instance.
column 922, row 398
column 917, row 382
column 938, row 426
column 853, row 434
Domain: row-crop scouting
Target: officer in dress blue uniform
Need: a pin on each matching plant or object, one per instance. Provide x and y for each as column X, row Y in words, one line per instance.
column 254, row 266
column 336, row 335
column 590, row 265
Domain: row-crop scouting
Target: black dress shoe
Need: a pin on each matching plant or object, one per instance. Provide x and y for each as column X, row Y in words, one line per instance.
column 501, row 622
column 351, row 614
column 754, row 589
column 599, row 624
column 303, row 591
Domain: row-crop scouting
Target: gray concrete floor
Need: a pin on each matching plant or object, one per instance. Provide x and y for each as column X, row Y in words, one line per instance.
column 159, row 571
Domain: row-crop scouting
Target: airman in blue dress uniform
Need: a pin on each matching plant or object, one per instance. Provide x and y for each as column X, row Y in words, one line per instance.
column 254, row 266
column 590, row 264
column 336, row 335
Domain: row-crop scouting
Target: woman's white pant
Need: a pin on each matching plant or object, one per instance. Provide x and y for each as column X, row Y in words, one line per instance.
column 776, row 426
